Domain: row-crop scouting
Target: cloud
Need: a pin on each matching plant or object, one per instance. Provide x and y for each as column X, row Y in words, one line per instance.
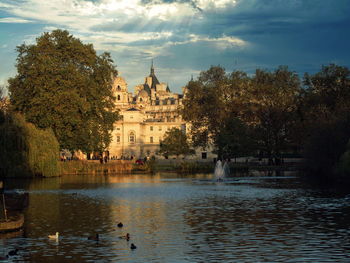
column 186, row 36
column 14, row 20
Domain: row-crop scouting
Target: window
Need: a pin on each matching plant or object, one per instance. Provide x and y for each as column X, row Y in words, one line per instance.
column 204, row 155
column 118, row 88
column 151, row 128
column 132, row 137
column 118, row 98
column 151, row 139
column 118, row 139
column 118, row 129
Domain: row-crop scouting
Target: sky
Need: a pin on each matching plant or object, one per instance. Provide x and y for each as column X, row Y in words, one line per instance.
column 185, row 37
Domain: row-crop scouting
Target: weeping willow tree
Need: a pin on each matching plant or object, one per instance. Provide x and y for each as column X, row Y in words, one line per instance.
column 25, row 150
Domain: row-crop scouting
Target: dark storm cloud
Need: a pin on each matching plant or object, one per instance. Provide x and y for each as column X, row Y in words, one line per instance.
column 301, row 34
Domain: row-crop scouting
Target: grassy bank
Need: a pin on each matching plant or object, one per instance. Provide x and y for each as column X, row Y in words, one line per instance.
column 181, row 166
column 95, row 167
column 153, row 166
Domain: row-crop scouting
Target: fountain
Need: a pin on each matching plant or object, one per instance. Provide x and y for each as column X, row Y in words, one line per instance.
column 221, row 170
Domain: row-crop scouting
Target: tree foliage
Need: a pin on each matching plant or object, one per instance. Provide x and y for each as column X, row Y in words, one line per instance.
column 273, row 106
column 26, row 150
column 326, row 117
column 211, row 102
column 175, row 143
column 63, row 84
column 238, row 113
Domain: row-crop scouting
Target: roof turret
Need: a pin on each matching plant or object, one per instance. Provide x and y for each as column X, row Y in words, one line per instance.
column 154, row 78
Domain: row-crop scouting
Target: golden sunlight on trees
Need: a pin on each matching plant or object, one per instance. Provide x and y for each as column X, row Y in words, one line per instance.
column 63, row 84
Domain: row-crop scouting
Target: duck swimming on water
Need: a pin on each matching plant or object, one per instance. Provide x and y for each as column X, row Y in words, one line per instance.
column 54, row 236
column 133, row 246
column 120, row 224
column 96, row 237
column 13, row 252
column 126, row 237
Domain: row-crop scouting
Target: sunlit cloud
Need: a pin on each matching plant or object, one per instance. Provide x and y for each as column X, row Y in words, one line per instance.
column 14, row 20
column 186, row 36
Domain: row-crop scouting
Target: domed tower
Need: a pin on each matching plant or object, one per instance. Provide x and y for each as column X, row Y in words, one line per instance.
column 120, row 91
column 143, row 98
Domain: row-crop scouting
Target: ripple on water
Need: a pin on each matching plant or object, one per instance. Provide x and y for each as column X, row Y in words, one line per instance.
column 183, row 220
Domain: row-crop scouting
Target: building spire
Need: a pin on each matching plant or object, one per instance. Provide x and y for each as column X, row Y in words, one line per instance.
column 192, row 77
column 152, row 68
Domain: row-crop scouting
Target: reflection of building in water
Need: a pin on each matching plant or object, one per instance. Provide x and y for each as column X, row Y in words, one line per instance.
column 146, row 116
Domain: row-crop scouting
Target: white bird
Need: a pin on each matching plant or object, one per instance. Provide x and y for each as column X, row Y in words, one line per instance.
column 54, row 236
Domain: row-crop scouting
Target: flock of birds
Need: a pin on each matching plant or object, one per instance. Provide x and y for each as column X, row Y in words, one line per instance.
column 96, row 237
column 55, row 237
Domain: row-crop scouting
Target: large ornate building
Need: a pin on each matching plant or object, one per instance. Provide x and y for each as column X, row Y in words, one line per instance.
column 146, row 116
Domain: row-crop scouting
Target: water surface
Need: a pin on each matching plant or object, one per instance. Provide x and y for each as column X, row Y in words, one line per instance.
column 175, row 218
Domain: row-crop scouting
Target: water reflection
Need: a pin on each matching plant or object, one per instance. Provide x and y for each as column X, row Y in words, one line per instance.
column 175, row 218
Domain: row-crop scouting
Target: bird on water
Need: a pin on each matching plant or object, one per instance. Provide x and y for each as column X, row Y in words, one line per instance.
column 13, row 252
column 126, row 237
column 55, row 236
column 96, row 237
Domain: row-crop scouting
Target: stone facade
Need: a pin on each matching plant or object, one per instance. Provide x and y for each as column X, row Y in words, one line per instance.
column 146, row 116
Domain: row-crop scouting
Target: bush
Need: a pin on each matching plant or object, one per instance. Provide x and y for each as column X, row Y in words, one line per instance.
column 26, row 150
column 325, row 146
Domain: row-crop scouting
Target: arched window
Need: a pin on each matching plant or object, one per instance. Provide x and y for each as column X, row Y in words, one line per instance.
column 132, row 137
column 118, row 88
column 118, row 97
column 140, row 99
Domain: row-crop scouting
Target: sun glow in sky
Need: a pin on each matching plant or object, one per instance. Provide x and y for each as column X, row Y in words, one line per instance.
column 185, row 37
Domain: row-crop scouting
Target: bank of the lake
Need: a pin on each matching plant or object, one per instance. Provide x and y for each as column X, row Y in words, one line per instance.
column 167, row 165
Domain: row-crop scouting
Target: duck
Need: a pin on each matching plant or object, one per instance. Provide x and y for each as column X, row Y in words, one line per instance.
column 13, row 252
column 127, row 237
column 96, row 237
column 133, row 246
column 55, row 236
column 120, row 224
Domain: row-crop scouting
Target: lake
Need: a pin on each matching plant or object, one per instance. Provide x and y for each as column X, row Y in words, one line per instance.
column 174, row 218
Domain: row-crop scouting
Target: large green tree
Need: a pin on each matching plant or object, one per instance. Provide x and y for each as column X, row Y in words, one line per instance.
column 238, row 113
column 175, row 142
column 214, row 105
column 326, row 115
column 273, row 108
column 63, row 84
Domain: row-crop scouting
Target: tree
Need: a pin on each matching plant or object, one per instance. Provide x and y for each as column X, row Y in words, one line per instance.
column 236, row 139
column 273, row 108
column 211, row 102
column 63, row 84
column 175, row 143
column 202, row 107
column 2, row 105
column 26, row 150
column 326, row 117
